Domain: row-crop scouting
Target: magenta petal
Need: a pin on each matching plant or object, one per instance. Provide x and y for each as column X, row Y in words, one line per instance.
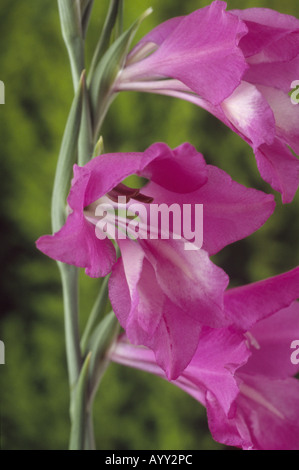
column 280, row 168
column 250, row 114
column 273, row 74
column 77, row 244
column 231, row 211
column 274, row 33
column 181, row 170
column 249, row 304
column 226, row 430
column 202, row 44
column 268, row 17
column 106, row 171
column 123, row 284
column 219, row 355
column 158, row 34
column 269, row 410
column 189, row 279
column 149, row 317
column 266, row 415
column 286, row 115
column 273, row 337
column 175, row 340
column 163, row 295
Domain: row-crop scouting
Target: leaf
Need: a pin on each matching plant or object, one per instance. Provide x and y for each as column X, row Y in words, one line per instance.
column 100, row 342
column 86, row 8
column 108, row 68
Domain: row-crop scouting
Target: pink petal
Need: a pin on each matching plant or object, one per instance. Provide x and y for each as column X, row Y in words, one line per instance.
column 275, row 74
column 175, row 340
column 269, row 409
column 225, row 430
column 249, row 304
column 273, row 34
column 280, row 168
column 162, row 297
column 265, row 418
column 76, row 243
column 219, row 355
column 273, row 337
column 158, row 34
column 200, row 46
column 149, row 317
column 268, row 17
column 189, row 279
column 106, row 171
column 230, row 211
column 123, row 284
column 181, row 170
column 286, row 115
column 251, row 114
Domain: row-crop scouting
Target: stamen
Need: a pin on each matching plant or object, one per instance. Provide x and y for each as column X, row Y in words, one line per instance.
column 252, row 341
column 143, row 198
column 122, row 190
column 129, row 193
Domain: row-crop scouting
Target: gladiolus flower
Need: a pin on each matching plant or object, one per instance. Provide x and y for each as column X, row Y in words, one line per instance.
column 161, row 293
column 244, row 379
column 197, row 58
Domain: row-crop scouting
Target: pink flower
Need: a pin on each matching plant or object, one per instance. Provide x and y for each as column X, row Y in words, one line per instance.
column 252, row 100
column 161, row 293
column 265, row 414
column 245, row 380
column 271, row 48
column 200, row 50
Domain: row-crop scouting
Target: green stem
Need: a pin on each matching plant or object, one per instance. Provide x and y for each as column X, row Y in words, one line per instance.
column 69, row 274
column 84, row 377
column 69, row 277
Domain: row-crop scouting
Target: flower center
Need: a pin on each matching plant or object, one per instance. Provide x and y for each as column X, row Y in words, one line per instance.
column 112, row 216
column 129, row 193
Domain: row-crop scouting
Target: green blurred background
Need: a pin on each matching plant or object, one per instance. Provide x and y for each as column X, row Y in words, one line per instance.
column 132, row 410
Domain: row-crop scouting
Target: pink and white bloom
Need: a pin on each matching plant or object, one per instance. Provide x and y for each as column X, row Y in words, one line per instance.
column 244, row 379
column 161, row 293
column 197, row 58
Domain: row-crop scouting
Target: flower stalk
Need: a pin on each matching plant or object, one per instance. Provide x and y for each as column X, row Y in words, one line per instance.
column 86, row 362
